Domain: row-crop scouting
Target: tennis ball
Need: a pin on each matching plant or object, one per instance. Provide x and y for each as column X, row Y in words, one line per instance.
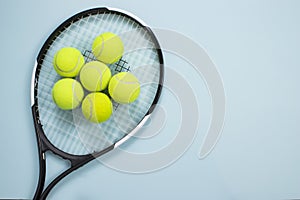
column 67, row 93
column 97, row 107
column 124, row 87
column 94, row 76
column 68, row 61
column 108, row 48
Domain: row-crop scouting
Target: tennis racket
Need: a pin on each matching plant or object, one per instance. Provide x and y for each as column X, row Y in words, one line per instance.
column 68, row 134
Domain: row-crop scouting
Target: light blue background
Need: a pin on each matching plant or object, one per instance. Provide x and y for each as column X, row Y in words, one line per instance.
column 255, row 45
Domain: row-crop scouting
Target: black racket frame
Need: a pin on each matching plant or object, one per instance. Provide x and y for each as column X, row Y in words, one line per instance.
column 44, row 145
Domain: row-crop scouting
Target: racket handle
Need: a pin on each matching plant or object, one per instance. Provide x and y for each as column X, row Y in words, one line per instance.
column 42, row 176
column 60, row 177
column 41, row 152
column 74, row 167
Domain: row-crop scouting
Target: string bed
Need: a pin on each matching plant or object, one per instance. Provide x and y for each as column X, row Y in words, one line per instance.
column 69, row 131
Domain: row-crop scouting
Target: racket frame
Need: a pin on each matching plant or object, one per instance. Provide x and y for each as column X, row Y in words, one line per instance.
column 44, row 145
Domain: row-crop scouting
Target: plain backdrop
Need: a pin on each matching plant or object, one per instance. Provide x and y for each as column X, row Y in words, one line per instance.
column 255, row 45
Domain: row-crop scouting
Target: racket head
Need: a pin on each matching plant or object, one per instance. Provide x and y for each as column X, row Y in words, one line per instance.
column 68, row 133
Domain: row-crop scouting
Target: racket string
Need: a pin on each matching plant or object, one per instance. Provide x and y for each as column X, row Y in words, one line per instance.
column 69, row 130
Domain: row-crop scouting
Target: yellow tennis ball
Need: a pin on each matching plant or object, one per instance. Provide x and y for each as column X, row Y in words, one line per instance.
column 67, row 93
column 94, row 76
column 97, row 107
column 108, row 48
column 68, row 61
column 124, row 87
